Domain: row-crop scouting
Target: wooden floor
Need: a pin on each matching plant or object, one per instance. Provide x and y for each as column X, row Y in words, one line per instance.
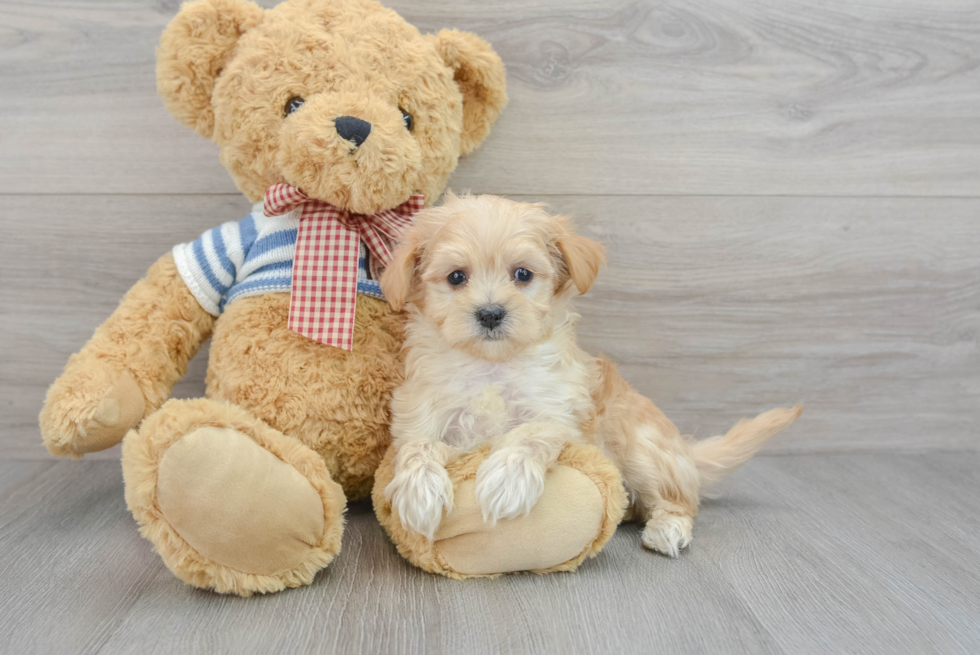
column 803, row 554
column 790, row 194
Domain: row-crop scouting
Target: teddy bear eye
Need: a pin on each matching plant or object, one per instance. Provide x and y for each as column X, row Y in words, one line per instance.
column 293, row 104
column 523, row 275
column 409, row 123
column 456, row 278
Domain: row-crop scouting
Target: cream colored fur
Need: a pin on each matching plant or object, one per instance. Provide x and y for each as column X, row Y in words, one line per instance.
column 525, row 386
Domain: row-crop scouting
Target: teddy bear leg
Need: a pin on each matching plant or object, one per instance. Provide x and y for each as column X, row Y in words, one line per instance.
column 230, row 503
column 578, row 512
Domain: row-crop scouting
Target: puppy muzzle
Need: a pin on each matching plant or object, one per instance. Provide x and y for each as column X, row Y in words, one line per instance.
column 491, row 316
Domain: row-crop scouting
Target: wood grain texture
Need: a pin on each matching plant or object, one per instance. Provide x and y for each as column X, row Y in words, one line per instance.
column 867, row 310
column 817, row 554
column 623, row 97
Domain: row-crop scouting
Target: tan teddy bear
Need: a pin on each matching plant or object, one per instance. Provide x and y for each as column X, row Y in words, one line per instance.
column 339, row 114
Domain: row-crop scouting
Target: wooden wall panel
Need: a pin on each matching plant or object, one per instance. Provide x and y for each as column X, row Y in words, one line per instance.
column 865, row 309
column 624, row 97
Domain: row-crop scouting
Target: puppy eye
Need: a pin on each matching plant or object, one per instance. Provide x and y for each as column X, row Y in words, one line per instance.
column 456, row 278
column 292, row 105
column 409, row 123
column 523, row 275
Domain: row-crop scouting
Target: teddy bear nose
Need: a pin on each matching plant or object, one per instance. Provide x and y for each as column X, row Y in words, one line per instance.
column 352, row 129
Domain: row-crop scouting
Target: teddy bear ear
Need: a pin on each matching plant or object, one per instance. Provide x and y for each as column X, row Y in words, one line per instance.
column 194, row 48
column 479, row 72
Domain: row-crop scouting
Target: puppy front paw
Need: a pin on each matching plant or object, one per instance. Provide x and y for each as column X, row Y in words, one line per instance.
column 668, row 533
column 508, row 484
column 419, row 494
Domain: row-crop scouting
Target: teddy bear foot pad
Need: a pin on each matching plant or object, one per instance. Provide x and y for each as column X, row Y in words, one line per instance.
column 470, row 546
column 582, row 504
column 230, row 503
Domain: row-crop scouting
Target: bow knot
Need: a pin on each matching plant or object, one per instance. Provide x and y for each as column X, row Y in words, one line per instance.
column 323, row 295
column 352, row 221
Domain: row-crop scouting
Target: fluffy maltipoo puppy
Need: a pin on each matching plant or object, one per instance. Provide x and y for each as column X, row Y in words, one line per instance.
column 488, row 284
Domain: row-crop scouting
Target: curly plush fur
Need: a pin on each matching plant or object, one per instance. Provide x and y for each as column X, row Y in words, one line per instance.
column 244, row 491
column 228, row 68
column 136, row 356
column 335, row 401
column 343, row 57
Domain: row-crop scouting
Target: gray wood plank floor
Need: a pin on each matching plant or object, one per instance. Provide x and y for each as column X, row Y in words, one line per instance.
column 801, row 554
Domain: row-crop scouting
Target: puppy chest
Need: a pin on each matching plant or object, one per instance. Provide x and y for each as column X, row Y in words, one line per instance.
column 486, row 411
column 482, row 415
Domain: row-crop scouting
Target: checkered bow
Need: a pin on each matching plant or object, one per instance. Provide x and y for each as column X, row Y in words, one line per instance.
column 324, row 286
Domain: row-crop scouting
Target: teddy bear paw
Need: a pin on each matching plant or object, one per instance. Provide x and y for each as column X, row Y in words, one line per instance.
column 91, row 409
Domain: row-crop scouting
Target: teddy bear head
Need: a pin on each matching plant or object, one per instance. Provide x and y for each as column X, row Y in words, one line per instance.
column 341, row 98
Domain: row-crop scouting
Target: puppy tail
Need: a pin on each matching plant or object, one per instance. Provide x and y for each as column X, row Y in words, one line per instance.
column 715, row 457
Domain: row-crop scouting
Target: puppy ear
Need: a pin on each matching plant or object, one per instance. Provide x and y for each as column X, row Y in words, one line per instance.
column 479, row 73
column 194, row 48
column 582, row 257
column 396, row 280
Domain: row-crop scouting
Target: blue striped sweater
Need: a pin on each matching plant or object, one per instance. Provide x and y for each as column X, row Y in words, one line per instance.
column 248, row 258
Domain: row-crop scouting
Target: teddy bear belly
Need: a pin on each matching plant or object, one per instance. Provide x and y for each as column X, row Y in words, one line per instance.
column 334, row 401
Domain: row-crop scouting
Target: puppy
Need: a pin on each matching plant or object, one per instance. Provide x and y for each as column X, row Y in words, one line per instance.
column 491, row 356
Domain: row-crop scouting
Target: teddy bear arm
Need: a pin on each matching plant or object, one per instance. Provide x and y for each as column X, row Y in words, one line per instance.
column 128, row 367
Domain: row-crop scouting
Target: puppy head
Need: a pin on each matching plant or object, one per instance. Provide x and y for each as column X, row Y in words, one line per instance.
column 488, row 273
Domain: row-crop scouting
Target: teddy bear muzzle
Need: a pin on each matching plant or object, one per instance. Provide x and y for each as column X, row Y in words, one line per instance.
column 353, row 151
column 352, row 129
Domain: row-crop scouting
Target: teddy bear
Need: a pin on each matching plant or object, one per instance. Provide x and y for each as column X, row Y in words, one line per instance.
column 337, row 119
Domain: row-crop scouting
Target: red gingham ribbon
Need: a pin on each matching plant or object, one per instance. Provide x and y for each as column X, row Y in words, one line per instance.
column 324, row 287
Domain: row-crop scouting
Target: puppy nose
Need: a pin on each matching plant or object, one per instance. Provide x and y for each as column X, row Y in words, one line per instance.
column 352, row 129
column 490, row 316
